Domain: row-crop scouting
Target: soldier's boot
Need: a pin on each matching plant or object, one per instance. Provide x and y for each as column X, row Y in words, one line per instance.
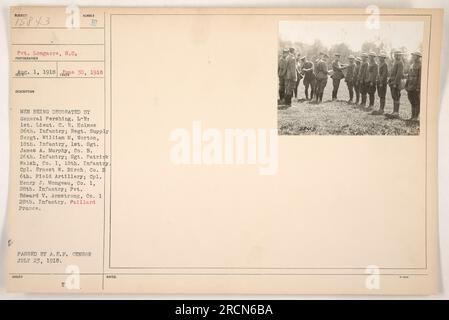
column 288, row 100
column 307, row 94
column 351, row 96
column 363, row 102
column 371, row 102
column 316, row 97
column 395, row 114
column 417, row 108
column 357, row 98
column 413, row 113
column 281, row 95
column 381, row 108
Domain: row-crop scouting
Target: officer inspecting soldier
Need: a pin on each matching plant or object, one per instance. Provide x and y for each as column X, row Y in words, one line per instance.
column 337, row 75
column 363, row 76
column 307, row 69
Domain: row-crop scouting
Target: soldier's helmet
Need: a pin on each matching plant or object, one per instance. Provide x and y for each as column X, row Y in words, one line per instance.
column 358, row 59
column 364, row 55
column 285, row 50
column 337, row 54
column 417, row 54
column 351, row 57
column 372, row 54
column 303, row 58
column 397, row 52
column 291, row 50
column 382, row 54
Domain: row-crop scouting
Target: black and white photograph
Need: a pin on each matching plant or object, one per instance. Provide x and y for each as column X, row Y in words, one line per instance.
column 349, row 77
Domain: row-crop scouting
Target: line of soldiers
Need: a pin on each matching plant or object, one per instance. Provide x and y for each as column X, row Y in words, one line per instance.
column 364, row 76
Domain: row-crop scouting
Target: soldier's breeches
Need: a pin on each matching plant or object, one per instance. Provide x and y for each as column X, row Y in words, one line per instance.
column 382, row 103
column 364, row 92
column 313, row 88
column 295, row 90
column 350, row 89
column 336, row 85
column 414, row 98
column 307, row 82
column 395, row 94
column 382, row 91
column 371, row 92
column 321, row 84
column 357, row 92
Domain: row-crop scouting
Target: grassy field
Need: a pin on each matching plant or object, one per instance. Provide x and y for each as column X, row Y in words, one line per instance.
column 340, row 118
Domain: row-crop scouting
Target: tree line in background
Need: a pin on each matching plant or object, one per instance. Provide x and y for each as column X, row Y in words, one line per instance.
column 312, row 51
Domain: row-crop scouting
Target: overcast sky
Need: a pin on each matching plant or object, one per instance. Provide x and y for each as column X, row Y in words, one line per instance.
column 353, row 33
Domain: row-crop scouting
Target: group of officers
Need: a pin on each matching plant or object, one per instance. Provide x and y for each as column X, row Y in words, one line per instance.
column 363, row 75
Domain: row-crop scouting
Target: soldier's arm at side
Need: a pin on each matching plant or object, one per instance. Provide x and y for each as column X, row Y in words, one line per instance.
column 374, row 74
column 399, row 74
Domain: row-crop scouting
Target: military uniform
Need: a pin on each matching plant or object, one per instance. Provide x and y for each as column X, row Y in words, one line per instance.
column 337, row 75
column 290, row 78
column 282, row 69
column 356, row 81
column 350, row 73
column 382, row 80
column 394, row 82
column 309, row 78
column 298, row 78
column 315, row 83
column 370, row 81
column 361, row 79
column 321, row 79
column 413, row 86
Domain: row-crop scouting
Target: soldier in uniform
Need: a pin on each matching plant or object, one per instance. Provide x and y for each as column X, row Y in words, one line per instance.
column 413, row 84
column 315, row 87
column 382, row 79
column 361, row 79
column 356, row 80
column 321, row 77
column 282, row 68
column 299, row 62
column 371, row 78
column 350, row 72
column 397, row 73
column 337, row 75
column 290, row 77
column 309, row 77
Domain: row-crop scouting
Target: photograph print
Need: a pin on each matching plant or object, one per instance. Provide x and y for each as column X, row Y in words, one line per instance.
column 344, row 78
